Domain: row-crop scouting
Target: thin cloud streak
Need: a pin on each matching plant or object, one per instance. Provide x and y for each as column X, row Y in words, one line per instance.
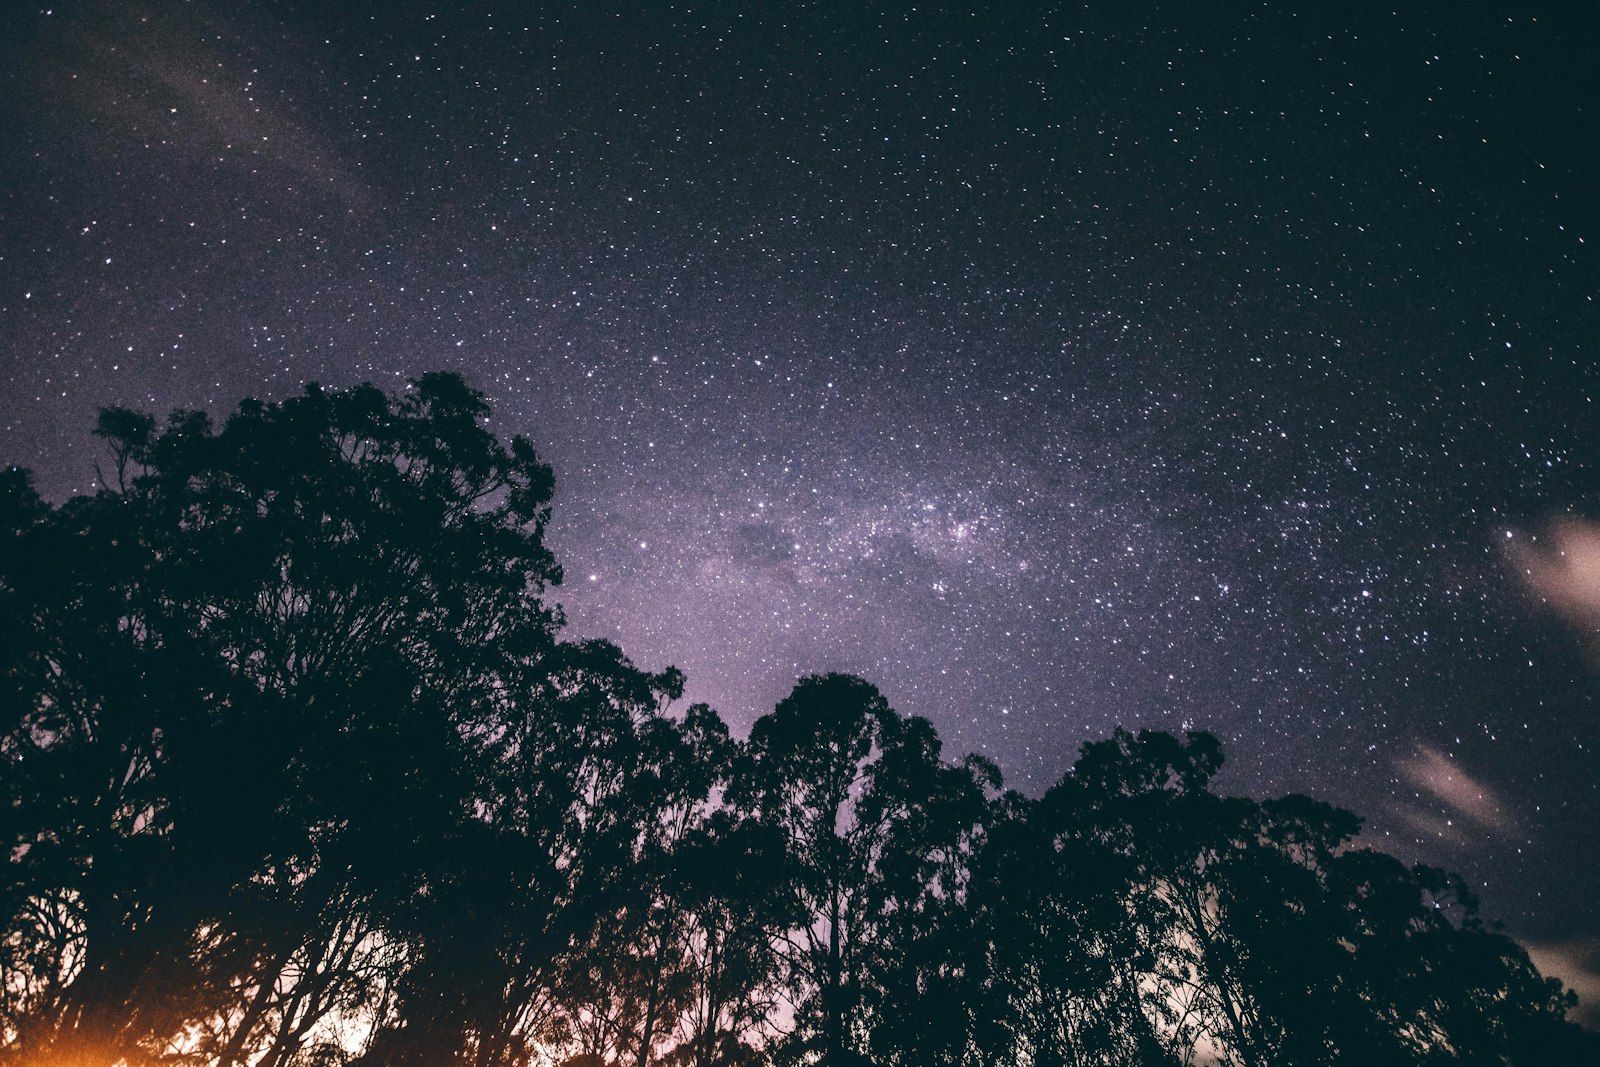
column 1565, row 574
column 1464, row 796
column 142, row 80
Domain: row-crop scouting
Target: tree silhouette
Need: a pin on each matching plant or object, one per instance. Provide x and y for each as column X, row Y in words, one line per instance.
column 298, row 768
column 872, row 820
column 247, row 654
column 738, row 909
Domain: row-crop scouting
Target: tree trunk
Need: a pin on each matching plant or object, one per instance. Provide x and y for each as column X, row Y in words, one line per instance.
column 833, row 1010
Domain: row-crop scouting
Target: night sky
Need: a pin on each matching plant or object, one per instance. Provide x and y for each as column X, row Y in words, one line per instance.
column 1179, row 366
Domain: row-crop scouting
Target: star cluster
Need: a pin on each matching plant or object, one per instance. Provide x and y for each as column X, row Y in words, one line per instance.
column 1054, row 369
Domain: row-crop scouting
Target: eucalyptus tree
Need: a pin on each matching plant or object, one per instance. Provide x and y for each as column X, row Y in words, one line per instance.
column 1067, row 905
column 873, row 825
column 530, row 885
column 738, row 906
column 1187, row 926
column 633, row 983
column 252, row 666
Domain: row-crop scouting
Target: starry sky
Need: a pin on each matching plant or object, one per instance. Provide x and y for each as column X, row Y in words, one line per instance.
column 1056, row 367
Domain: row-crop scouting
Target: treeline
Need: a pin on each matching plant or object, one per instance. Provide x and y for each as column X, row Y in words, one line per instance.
column 298, row 769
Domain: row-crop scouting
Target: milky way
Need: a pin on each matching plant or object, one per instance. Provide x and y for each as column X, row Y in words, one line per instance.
column 1053, row 370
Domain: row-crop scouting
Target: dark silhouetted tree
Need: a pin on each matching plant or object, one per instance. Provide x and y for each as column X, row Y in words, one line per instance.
column 243, row 660
column 872, row 820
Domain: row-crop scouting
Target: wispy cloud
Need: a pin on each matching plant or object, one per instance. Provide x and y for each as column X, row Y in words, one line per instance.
column 1465, row 798
column 160, row 83
column 1563, row 570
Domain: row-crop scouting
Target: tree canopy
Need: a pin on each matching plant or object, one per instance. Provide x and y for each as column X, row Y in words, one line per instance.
column 299, row 767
